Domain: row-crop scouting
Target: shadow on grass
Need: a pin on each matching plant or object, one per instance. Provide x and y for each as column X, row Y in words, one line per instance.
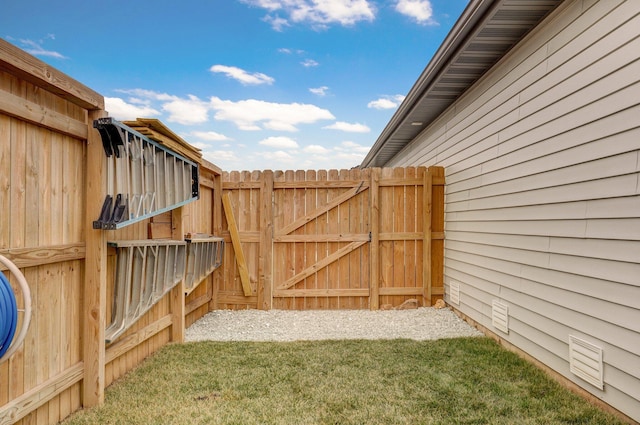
column 452, row 381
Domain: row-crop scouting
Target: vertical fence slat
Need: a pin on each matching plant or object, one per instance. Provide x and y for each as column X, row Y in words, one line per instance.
column 265, row 270
column 299, row 209
column 322, row 275
column 310, row 248
column 374, row 297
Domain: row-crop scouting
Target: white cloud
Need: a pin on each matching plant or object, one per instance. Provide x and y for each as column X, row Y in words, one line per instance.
column 279, row 142
column 187, row 111
column 309, row 63
column 266, row 4
column 348, row 127
column 318, row 13
column 280, row 156
column 315, row 149
column 35, row 48
column 276, row 22
column 248, row 114
column 320, row 91
column 420, row 10
column 386, row 102
column 123, row 111
column 353, row 146
column 209, row 136
column 145, row 95
column 242, row 76
column 346, row 155
column 222, row 158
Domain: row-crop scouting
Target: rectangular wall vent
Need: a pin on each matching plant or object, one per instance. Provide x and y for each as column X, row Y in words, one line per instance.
column 454, row 296
column 500, row 316
column 585, row 361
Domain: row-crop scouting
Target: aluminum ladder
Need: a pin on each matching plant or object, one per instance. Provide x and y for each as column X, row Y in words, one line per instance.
column 146, row 270
column 204, row 254
column 144, row 178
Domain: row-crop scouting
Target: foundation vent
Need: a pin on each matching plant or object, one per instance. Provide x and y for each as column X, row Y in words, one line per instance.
column 454, row 296
column 585, row 361
column 500, row 316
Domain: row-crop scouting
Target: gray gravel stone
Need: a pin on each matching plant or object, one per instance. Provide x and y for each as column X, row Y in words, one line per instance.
column 424, row 323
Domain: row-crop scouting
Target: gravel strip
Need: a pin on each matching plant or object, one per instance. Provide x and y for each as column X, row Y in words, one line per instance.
column 425, row 323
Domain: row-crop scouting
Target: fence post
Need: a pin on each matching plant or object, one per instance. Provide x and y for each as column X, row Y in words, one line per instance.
column 218, row 275
column 95, row 289
column 177, row 296
column 437, row 230
column 374, row 287
column 265, row 261
column 427, row 229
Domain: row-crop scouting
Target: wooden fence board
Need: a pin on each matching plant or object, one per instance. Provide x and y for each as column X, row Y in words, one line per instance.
column 265, row 258
column 358, row 243
column 322, row 223
column 299, row 207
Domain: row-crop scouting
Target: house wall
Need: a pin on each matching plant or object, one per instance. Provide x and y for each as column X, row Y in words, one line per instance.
column 542, row 207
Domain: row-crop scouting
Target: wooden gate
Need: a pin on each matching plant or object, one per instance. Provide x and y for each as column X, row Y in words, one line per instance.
column 348, row 239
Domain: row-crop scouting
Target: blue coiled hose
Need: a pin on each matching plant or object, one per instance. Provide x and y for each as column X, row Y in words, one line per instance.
column 8, row 314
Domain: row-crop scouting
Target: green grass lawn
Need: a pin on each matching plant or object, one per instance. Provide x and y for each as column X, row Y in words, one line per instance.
column 452, row 381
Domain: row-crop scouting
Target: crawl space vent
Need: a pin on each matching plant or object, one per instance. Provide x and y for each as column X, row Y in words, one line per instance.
column 500, row 316
column 454, row 287
column 585, row 361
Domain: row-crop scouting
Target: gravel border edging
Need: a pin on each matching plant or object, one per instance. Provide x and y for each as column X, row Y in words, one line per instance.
column 425, row 323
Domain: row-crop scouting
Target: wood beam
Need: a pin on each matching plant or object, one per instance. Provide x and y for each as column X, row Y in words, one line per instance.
column 177, row 294
column 237, row 245
column 33, row 257
column 31, row 69
column 95, row 290
column 320, row 264
column 315, row 213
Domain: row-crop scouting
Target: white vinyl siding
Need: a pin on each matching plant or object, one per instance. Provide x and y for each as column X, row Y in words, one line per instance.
column 542, row 161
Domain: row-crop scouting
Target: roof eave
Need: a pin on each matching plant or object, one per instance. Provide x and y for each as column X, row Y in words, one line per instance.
column 419, row 102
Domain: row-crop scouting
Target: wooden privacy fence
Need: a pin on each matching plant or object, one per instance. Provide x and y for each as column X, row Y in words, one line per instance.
column 52, row 186
column 348, row 239
column 336, row 239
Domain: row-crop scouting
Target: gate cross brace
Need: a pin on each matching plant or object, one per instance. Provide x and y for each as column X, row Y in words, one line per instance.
column 320, row 264
column 313, row 214
column 237, row 245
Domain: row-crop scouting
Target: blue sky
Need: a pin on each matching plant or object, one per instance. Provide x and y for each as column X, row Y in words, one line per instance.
column 255, row 84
